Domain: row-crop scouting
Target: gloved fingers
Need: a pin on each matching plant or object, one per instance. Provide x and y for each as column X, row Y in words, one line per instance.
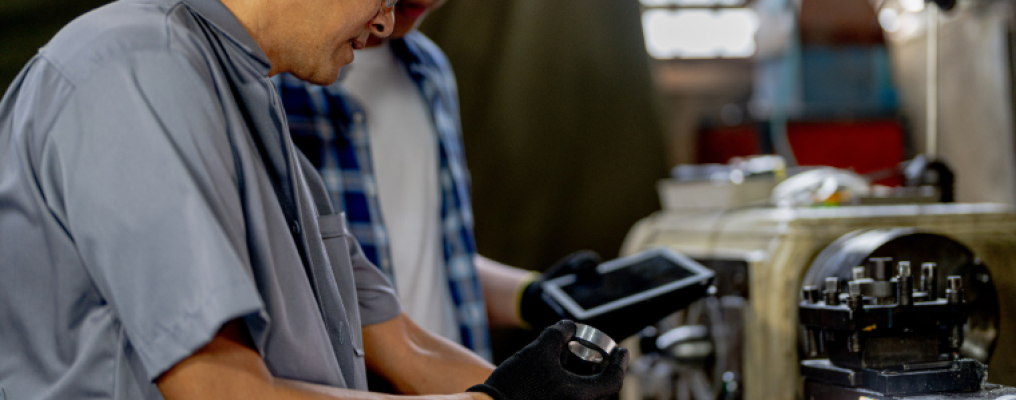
column 611, row 379
column 585, row 260
column 534, row 308
column 576, row 262
column 488, row 390
column 554, row 338
column 565, row 327
column 618, row 361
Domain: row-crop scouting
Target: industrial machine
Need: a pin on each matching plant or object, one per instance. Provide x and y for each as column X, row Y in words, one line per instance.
column 827, row 294
column 792, row 317
column 879, row 327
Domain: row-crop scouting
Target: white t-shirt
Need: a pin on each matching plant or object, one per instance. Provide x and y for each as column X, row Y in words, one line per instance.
column 404, row 149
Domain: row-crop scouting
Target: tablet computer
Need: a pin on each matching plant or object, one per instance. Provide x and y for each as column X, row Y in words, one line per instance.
column 627, row 294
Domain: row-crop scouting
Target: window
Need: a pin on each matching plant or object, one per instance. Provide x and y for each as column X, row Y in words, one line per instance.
column 699, row 28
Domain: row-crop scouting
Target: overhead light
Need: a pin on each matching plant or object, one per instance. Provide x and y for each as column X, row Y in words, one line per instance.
column 889, row 19
column 691, row 3
column 913, row 6
column 700, row 33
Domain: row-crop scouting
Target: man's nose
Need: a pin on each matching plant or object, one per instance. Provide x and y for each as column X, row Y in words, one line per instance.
column 383, row 22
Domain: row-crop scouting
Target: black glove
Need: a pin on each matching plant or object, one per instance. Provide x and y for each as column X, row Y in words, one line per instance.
column 532, row 308
column 536, row 372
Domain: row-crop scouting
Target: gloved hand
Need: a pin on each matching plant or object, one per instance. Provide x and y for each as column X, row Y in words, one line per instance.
column 536, row 373
column 533, row 310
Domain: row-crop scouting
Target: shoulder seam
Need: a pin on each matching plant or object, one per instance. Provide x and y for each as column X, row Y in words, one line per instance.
column 166, row 24
column 56, row 66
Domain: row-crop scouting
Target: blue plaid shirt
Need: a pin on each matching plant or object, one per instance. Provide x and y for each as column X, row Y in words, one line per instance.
column 330, row 127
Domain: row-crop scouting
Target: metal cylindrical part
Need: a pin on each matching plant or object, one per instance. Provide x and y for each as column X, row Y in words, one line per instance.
column 954, row 290
column 904, row 285
column 854, row 288
column 854, row 342
column 589, row 344
column 905, row 291
column 832, row 291
column 810, row 343
column 929, row 280
column 879, row 267
column 855, row 299
column 828, row 339
column 858, row 273
column 832, row 284
column 903, row 269
column 811, row 294
column 884, row 292
column 956, row 337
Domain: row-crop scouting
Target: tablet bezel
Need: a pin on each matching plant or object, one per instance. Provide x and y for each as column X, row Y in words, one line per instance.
column 700, row 275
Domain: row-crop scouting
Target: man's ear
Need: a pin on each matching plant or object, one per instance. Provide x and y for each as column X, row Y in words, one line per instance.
column 383, row 22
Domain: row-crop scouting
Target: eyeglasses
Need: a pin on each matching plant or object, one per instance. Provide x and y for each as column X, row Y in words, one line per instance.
column 390, row 3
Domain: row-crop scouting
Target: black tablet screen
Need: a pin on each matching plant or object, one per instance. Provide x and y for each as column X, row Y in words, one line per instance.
column 623, row 282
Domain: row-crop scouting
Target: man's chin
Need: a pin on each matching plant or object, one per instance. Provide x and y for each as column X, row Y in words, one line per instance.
column 320, row 76
column 324, row 79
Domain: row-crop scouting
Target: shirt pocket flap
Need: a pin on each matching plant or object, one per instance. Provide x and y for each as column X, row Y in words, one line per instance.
column 332, row 225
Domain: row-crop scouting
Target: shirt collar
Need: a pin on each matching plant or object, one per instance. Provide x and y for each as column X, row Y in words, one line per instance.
column 222, row 19
column 406, row 50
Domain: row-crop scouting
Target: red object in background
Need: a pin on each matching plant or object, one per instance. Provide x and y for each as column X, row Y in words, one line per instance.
column 861, row 146
column 719, row 145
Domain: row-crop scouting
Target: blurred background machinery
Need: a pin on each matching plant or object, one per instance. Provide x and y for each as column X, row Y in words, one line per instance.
column 857, row 87
column 767, row 242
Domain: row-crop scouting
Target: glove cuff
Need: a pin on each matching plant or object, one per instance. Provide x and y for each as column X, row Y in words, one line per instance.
column 487, row 390
column 520, row 293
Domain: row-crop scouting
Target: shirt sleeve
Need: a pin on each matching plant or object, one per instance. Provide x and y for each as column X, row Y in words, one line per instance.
column 140, row 166
column 375, row 294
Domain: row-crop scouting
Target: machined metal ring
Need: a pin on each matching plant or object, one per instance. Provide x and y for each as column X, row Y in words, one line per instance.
column 589, row 344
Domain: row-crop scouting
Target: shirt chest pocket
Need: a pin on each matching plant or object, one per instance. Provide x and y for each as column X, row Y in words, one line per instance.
column 334, row 234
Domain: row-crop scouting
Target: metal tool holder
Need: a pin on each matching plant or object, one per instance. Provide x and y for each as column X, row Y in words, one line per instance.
column 888, row 337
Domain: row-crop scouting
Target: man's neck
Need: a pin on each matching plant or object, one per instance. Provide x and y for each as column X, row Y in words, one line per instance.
column 251, row 17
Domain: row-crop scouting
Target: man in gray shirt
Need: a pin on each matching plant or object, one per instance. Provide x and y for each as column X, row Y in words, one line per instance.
column 160, row 237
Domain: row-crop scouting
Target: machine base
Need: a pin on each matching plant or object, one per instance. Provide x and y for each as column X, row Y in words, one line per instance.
column 964, row 375
column 815, row 390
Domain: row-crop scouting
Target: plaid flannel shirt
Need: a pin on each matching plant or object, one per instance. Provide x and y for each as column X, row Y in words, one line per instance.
column 330, row 127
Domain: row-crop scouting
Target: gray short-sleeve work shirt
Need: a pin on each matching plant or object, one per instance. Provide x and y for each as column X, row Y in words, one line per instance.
column 149, row 193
